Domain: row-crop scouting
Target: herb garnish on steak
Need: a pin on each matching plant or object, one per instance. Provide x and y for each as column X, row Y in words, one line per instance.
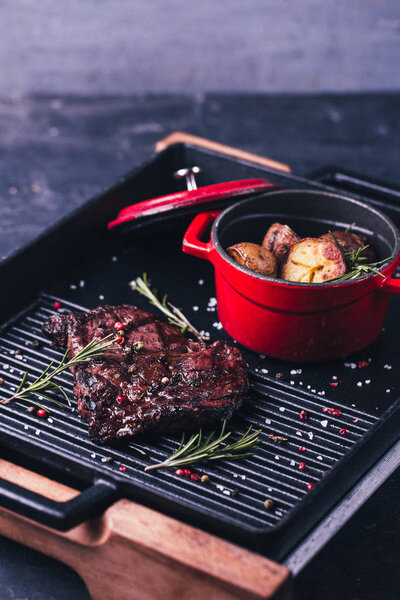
column 155, row 381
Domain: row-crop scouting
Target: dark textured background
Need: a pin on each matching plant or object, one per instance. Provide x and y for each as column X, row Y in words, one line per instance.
column 134, row 46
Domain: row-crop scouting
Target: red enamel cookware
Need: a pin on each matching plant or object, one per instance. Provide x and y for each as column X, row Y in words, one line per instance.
column 297, row 321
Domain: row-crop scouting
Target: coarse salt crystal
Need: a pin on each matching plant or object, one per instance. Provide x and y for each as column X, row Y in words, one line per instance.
column 282, row 409
column 299, row 433
column 268, row 421
column 359, row 383
column 195, row 308
column 324, row 423
column 276, row 457
column 93, row 455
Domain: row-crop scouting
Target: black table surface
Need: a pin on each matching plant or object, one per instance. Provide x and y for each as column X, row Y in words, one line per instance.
column 57, row 152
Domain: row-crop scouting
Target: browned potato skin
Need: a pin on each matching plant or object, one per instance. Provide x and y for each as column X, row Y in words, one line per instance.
column 313, row 260
column 254, row 257
column 350, row 241
column 278, row 239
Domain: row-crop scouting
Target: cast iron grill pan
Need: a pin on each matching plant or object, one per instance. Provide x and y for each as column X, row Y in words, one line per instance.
column 233, row 505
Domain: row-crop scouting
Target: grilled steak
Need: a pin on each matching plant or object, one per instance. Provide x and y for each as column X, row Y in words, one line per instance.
column 156, row 381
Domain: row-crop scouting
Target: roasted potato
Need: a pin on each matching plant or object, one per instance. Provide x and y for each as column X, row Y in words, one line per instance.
column 278, row 239
column 254, row 257
column 313, row 260
column 350, row 241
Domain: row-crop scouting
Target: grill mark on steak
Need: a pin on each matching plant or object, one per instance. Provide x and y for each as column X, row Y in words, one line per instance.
column 204, row 382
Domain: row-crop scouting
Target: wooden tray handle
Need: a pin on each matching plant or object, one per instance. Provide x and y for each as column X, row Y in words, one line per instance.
column 180, row 137
column 136, row 553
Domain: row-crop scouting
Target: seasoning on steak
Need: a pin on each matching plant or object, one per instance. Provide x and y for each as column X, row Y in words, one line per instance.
column 164, row 383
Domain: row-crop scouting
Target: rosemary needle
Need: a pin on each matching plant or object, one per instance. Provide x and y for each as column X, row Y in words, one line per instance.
column 195, row 450
column 44, row 382
column 174, row 314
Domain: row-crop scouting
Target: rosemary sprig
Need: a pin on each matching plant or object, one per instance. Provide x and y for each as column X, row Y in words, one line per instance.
column 174, row 314
column 355, row 263
column 195, row 450
column 44, row 383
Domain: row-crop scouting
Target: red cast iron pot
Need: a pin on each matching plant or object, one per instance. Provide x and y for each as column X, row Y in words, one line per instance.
column 297, row 321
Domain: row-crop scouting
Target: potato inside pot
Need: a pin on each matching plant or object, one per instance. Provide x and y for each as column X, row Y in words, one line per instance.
column 254, row 257
column 313, row 260
column 278, row 239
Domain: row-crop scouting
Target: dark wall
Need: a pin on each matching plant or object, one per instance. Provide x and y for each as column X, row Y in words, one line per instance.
column 133, row 46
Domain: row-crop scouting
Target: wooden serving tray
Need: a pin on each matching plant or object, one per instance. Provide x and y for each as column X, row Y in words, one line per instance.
column 137, row 553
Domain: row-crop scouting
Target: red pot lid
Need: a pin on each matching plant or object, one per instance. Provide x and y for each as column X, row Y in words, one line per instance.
column 193, row 198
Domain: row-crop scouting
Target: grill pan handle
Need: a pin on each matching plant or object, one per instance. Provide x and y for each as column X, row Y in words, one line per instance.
column 180, row 137
column 58, row 515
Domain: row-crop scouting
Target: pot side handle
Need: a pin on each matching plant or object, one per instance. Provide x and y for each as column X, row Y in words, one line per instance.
column 391, row 286
column 192, row 243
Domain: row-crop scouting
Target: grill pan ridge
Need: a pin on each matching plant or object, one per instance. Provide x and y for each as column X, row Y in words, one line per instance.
column 233, row 505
